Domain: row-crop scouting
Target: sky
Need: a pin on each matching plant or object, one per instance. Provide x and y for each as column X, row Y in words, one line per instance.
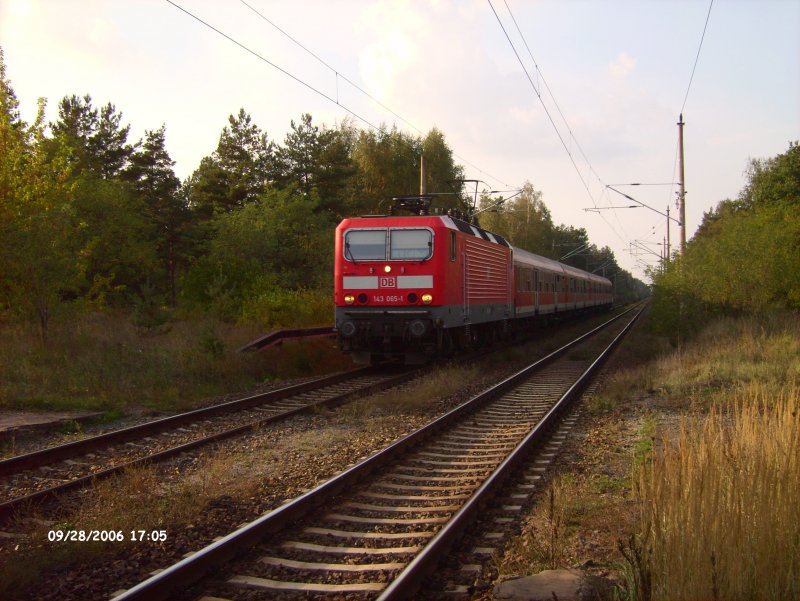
column 609, row 81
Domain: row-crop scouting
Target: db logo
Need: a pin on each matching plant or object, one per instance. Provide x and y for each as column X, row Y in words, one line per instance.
column 387, row 283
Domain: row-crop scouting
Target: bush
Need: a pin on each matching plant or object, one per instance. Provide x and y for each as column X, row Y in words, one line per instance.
column 271, row 306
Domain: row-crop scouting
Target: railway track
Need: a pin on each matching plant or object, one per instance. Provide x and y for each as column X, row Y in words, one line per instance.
column 31, row 478
column 378, row 528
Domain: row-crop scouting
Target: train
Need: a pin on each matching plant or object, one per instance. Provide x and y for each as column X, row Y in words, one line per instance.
column 412, row 287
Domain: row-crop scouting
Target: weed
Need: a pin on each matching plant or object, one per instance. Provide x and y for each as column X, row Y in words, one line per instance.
column 720, row 503
column 71, row 426
column 636, row 570
column 643, row 449
column 210, row 342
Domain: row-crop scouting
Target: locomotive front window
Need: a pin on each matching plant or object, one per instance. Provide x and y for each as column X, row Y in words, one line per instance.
column 365, row 245
column 410, row 245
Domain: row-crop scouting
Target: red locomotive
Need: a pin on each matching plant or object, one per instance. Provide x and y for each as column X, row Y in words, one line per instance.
column 411, row 287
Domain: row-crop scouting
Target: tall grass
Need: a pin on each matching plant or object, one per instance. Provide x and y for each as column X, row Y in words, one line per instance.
column 763, row 349
column 103, row 361
column 721, row 513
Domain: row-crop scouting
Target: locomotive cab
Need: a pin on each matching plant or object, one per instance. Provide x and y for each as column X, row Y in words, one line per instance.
column 412, row 287
column 385, row 295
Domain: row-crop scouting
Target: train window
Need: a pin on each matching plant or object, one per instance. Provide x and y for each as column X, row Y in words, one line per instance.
column 365, row 245
column 452, row 246
column 410, row 245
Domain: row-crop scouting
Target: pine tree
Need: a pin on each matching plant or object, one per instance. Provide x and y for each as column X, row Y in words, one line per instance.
column 152, row 177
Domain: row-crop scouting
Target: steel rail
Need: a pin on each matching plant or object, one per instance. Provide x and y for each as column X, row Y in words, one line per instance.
column 9, row 508
column 34, row 459
column 193, row 568
column 410, row 579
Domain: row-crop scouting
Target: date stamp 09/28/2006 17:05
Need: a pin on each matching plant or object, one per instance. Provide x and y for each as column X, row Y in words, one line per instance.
column 154, row 536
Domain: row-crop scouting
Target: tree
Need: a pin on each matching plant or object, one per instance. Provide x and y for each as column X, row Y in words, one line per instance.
column 236, row 173
column 525, row 220
column 152, row 177
column 40, row 255
column 315, row 159
column 745, row 257
column 440, row 168
column 95, row 142
column 281, row 242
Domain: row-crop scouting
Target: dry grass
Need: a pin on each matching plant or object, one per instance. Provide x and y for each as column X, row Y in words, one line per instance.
column 721, row 511
column 542, row 544
column 418, row 397
column 102, row 361
column 139, row 499
column 729, row 355
column 734, row 352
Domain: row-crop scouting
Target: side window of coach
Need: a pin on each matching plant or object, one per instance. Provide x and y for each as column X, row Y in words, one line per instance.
column 452, row 246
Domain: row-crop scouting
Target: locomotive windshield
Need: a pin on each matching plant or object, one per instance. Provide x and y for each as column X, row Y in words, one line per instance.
column 410, row 245
column 365, row 245
column 398, row 244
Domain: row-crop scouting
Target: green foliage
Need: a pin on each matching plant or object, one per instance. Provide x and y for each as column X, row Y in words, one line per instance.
column 264, row 253
column 314, row 160
column 525, row 220
column 152, row 178
column 148, row 313
column 236, row 173
column 40, row 256
column 388, row 163
column 272, row 306
column 115, row 240
column 95, row 141
column 744, row 258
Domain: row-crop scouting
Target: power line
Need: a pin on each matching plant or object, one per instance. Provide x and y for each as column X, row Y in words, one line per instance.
column 549, row 116
column 697, row 58
column 312, row 88
column 270, row 63
column 338, row 75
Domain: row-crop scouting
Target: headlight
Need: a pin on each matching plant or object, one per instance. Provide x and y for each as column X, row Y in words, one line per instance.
column 427, row 298
column 349, row 299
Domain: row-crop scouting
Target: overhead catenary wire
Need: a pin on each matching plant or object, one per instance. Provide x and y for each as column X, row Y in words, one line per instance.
column 270, row 63
column 317, row 91
column 697, row 58
column 549, row 116
column 335, row 71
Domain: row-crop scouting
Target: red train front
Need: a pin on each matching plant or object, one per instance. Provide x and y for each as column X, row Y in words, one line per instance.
column 409, row 287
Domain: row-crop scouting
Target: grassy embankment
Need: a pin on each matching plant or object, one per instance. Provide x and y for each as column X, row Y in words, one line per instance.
column 696, row 453
column 720, row 513
column 103, row 362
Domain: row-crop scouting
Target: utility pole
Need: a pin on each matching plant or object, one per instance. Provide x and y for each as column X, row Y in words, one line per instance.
column 423, row 184
column 681, row 189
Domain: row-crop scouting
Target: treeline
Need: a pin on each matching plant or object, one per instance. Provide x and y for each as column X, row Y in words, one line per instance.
column 90, row 219
column 527, row 222
column 744, row 258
